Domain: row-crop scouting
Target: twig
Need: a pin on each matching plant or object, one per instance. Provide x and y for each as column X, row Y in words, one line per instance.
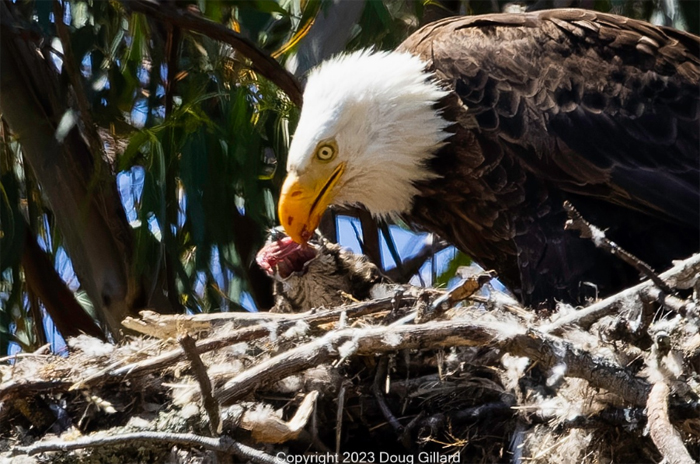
column 43, row 351
column 255, row 332
column 473, row 414
column 378, row 392
column 221, row 444
column 682, row 275
column 346, row 342
column 629, row 418
column 545, row 349
column 211, row 406
column 599, row 372
column 30, row 387
column 678, row 305
column 515, row 309
column 412, row 265
column 406, row 437
column 339, row 419
column 665, row 436
column 465, row 289
column 588, row 230
column 165, row 326
column 260, row 60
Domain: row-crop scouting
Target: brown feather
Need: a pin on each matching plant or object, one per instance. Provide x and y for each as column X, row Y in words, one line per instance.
column 558, row 105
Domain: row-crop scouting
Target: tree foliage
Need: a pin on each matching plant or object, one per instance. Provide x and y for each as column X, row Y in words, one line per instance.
column 143, row 145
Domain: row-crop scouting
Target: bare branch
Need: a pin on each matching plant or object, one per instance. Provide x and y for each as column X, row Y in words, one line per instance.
column 682, row 275
column 12, row 388
column 665, row 436
column 41, row 277
column 378, row 391
column 463, row 290
column 339, row 419
column 211, row 406
column 221, row 444
column 599, row 372
column 247, row 334
column 588, row 230
column 547, row 350
column 413, row 264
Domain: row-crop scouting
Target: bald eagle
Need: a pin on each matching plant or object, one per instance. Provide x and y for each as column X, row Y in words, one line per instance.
column 479, row 128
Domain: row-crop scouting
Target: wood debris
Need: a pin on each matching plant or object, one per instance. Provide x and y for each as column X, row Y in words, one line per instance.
column 475, row 376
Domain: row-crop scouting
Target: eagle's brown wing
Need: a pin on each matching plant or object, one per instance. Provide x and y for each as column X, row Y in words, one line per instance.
column 564, row 104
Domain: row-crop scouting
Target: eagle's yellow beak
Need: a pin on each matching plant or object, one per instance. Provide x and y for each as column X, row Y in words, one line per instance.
column 303, row 201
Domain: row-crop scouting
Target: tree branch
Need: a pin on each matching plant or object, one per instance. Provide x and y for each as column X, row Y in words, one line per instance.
column 378, row 392
column 221, row 444
column 412, row 265
column 546, row 350
column 682, row 275
column 665, row 436
column 70, row 318
column 589, row 231
column 85, row 200
column 260, row 60
column 370, row 237
column 74, row 76
column 243, row 335
column 210, row 405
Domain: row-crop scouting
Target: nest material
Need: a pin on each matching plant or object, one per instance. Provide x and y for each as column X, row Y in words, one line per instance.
column 466, row 375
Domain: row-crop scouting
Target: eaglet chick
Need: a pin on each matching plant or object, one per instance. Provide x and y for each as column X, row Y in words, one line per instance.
column 319, row 274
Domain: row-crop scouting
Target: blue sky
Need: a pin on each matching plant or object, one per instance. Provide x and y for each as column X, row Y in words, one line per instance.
column 130, row 186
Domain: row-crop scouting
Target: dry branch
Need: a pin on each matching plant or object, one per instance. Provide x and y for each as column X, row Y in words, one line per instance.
column 347, row 342
column 589, row 231
column 665, row 436
column 210, row 404
column 380, row 378
column 411, row 266
column 599, row 372
column 463, row 290
column 166, row 326
column 220, row 444
column 284, row 322
column 482, row 376
column 13, row 388
column 683, row 275
column 548, row 350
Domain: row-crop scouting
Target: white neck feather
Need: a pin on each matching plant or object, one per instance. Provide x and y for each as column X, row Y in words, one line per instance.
column 380, row 108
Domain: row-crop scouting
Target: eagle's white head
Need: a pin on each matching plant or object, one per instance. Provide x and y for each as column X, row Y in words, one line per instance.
column 367, row 127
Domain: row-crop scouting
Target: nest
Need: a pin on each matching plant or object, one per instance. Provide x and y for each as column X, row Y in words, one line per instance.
column 415, row 376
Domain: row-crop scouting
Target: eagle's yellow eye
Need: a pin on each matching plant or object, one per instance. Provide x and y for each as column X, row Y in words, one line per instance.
column 326, row 151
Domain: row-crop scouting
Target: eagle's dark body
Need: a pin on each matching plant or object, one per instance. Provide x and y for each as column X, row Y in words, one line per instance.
column 558, row 105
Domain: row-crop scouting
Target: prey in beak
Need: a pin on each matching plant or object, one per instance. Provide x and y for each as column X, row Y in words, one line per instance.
column 303, row 201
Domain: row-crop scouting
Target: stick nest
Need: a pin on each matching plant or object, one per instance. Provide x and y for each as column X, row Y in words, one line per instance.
column 466, row 375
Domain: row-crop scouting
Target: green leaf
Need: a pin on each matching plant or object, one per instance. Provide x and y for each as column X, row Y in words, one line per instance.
column 194, row 168
column 459, row 260
column 12, row 223
column 270, row 6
